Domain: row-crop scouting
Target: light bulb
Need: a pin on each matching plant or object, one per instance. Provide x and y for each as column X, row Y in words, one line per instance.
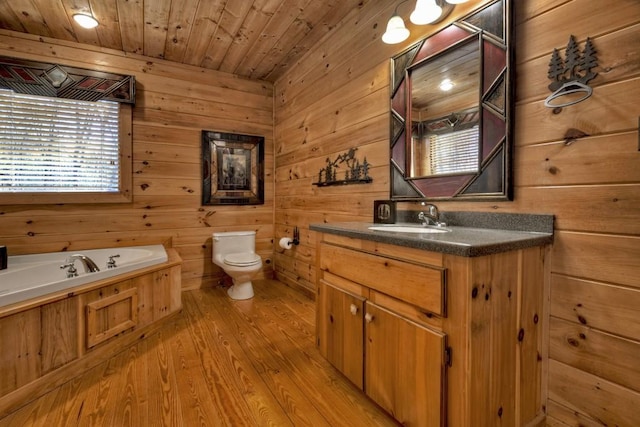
column 85, row 21
column 396, row 31
column 426, row 12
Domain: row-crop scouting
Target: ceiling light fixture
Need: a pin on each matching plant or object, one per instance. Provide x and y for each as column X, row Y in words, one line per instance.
column 446, row 85
column 85, row 21
column 425, row 12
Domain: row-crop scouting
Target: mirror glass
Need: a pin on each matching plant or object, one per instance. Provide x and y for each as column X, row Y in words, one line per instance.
column 455, row 143
column 444, row 119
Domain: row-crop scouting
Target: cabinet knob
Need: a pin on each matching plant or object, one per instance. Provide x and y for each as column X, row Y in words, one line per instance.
column 353, row 309
column 368, row 317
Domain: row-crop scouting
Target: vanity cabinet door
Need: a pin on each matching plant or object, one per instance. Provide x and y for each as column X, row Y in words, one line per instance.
column 404, row 367
column 340, row 330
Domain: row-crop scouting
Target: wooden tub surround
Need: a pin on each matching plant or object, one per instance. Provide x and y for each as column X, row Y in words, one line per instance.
column 436, row 338
column 49, row 340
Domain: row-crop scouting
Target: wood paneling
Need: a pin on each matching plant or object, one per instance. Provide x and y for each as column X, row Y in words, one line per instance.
column 602, row 401
column 20, row 337
column 591, row 184
column 536, row 123
column 259, row 39
column 59, row 338
column 174, row 104
column 599, row 353
column 610, row 308
column 602, row 257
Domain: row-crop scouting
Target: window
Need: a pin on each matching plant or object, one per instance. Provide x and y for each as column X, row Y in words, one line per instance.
column 454, row 152
column 56, row 150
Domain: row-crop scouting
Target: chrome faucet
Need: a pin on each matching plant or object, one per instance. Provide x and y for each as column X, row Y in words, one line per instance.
column 432, row 215
column 71, row 269
column 89, row 265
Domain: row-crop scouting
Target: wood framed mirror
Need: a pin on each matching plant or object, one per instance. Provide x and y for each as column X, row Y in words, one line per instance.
column 451, row 111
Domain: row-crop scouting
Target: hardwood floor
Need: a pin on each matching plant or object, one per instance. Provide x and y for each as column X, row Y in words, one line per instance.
column 219, row 363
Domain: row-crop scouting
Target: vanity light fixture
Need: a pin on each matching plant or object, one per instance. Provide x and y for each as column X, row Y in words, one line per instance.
column 85, row 21
column 396, row 31
column 425, row 12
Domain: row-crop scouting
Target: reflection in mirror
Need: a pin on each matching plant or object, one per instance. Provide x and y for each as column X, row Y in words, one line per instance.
column 444, row 115
column 455, row 144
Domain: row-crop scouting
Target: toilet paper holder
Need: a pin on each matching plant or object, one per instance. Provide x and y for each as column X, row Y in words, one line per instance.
column 287, row 243
column 296, row 236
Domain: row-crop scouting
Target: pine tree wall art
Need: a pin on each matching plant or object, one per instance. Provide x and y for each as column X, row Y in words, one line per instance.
column 569, row 76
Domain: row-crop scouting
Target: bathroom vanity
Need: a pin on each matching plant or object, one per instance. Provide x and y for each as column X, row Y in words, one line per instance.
column 438, row 328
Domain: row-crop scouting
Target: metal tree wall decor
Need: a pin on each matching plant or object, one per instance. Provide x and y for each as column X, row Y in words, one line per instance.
column 355, row 172
column 570, row 75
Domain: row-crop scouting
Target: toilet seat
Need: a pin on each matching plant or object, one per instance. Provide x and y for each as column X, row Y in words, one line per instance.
column 242, row 259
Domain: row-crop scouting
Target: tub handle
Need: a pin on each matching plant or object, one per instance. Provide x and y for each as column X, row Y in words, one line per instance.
column 71, row 269
column 112, row 262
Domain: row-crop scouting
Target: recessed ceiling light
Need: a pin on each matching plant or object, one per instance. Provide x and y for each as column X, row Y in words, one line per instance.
column 446, row 85
column 85, row 21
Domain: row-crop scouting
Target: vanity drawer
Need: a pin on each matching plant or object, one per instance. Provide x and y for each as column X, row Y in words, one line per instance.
column 418, row 284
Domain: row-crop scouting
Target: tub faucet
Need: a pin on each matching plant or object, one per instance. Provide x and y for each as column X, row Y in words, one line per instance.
column 431, row 215
column 89, row 265
column 71, row 269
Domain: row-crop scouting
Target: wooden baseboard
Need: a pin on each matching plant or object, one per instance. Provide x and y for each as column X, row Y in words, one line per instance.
column 294, row 285
column 29, row 392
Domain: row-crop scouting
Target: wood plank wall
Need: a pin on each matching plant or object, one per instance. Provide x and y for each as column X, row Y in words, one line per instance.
column 174, row 104
column 336, row 98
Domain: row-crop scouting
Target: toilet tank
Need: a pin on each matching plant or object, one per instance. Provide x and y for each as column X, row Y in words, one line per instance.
column 232, row 242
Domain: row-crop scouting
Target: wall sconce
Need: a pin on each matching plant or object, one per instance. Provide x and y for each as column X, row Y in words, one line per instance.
column 425, row 12
column 85, row 21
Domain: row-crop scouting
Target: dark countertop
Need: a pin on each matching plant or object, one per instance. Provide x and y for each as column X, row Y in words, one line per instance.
column 462, row 240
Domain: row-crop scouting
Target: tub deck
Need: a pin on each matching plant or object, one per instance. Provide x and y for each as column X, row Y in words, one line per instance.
column 32, row 276
column 173, row 259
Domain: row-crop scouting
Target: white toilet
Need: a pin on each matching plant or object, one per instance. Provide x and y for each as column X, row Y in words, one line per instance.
column 235, row 253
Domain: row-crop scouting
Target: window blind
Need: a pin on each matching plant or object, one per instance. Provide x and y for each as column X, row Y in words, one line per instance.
column 454, row 152
column 58, row 145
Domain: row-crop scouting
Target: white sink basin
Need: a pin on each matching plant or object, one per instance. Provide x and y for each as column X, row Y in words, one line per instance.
column 409, row 229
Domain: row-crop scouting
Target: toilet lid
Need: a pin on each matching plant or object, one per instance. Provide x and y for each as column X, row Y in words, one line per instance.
column 242, row 259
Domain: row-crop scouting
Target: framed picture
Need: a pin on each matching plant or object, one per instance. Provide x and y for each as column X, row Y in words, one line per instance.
column 232, row 169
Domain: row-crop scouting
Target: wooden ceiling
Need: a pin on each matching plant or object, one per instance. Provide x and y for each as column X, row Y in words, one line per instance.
column 258, row 39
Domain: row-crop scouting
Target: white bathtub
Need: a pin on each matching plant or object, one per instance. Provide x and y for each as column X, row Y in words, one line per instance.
column 31, row 276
